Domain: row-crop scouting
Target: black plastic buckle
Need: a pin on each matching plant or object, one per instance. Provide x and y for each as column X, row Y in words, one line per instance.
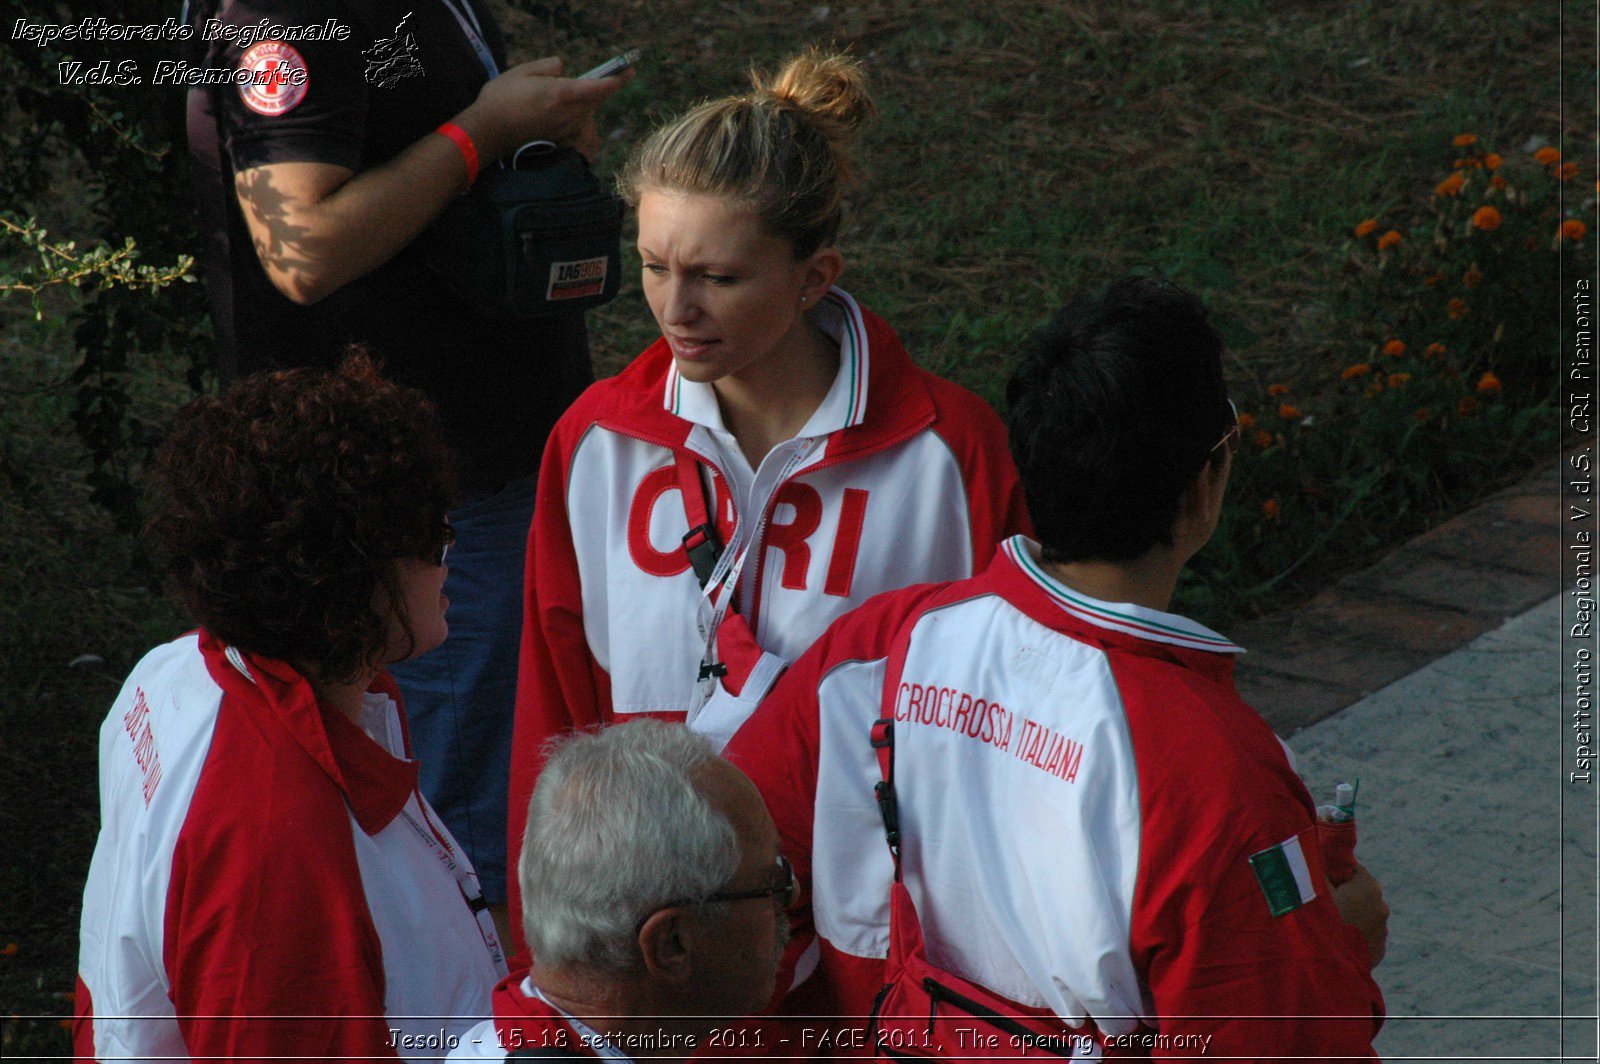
column 882, row 733
column 708, row 669
column 889, row 811
column 704, row 552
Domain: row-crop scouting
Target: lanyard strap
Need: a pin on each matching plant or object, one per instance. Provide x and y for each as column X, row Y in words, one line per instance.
column 468, row 21
column 466, row 882
column 728, row 571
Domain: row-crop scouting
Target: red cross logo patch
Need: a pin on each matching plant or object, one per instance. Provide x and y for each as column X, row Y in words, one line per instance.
column 278, row 78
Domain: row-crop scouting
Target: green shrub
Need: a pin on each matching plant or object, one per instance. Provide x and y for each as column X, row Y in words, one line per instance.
column 1450, row 376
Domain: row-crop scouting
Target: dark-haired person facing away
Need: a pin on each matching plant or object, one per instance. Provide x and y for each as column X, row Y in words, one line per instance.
column 1094, row 830
column 268, row 881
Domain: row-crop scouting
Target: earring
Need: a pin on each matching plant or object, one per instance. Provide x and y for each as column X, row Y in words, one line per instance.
column 802, row 300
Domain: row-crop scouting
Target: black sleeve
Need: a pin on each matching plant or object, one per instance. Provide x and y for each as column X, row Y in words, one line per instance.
column 321, row 120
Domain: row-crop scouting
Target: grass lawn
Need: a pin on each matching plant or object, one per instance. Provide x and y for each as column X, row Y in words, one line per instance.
column 1024, row 151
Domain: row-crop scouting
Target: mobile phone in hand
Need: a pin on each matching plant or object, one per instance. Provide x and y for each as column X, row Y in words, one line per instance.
column 613, row 66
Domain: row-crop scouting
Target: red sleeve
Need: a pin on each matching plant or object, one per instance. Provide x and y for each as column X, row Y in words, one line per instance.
column 268, row 944
column 1215, row 789
column 777, row 749
column 560, row 686
column 977, row 437
column 779, row 746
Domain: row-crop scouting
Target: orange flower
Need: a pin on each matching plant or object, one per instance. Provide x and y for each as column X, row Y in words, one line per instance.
column 1269, row 509
column 1568, row 171
column 1450, row 185
column 1366, row 227
column 1262, row 439
column 1572, row 229
column 1486, row 218
column 1247, row 421
column 1421, row 415
column 1457, row 309
column 10, row 950
column 1472, row 278
column 1465, row 140
column 1467, row 164
column 1395, row 348
column 1375, row 388
column 1360, row 369
column 1468, row 406
column 1397, row 380
column 1277, row 389
column 1491, row 161
column 1497, row 182
column 1433, row 350
column 1489, row 384
column 1546, row 156
column 1389, row 239
column 1288, row 411
column 1432, row 279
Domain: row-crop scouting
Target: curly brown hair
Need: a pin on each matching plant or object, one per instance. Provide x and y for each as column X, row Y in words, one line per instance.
column 284, row 503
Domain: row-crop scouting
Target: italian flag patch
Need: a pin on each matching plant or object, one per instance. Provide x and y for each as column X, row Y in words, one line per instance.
column 1284, row 875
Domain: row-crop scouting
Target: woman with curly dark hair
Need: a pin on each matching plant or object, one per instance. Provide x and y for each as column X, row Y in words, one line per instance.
column 268, row 879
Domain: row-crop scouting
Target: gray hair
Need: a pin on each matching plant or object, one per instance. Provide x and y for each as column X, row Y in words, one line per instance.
column 617, row 828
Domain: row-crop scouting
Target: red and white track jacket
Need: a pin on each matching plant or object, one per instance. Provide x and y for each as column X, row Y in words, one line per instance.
column 524, row 1020
column 1081, row 792
column 262, row 863
column 899, row 477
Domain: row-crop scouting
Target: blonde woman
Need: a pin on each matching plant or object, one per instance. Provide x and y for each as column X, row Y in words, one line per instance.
column 772, row 461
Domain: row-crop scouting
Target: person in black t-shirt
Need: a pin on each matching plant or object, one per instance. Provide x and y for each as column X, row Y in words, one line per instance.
column 316, row 175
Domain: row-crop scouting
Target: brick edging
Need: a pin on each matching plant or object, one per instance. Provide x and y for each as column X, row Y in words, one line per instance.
column 1423, row 600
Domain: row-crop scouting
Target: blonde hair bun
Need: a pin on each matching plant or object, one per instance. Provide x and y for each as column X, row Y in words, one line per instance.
column 829, row 88
column 782, row 150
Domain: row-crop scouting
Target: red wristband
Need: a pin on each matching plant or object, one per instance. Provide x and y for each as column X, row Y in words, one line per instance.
column 469, row 150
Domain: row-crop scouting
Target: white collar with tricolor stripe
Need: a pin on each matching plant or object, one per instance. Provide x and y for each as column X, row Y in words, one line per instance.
column 1123, row 617
column 593, row 1039
column 839, row 316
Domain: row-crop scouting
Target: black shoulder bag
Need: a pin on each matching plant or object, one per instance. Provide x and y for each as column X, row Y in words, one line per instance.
column 536, row 238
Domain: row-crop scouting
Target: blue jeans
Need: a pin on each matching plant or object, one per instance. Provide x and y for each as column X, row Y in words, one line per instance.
column 460, row 696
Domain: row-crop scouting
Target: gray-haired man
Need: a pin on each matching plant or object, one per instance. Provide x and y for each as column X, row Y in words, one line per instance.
column 653, row 901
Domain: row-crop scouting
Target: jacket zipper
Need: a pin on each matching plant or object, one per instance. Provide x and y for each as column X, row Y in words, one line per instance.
column 826, row 462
